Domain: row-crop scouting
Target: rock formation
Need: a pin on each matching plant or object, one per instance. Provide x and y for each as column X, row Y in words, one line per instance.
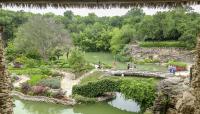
column 5, row 85
column 177, row 97
column 170, row 97
column 196, row 79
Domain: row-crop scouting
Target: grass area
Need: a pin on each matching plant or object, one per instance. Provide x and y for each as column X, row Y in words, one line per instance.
column 100, row 76
column 92, row 77
column 35, row 74
column 105, row 58
column 36, row 78
column 162, row 44
column 177, row 63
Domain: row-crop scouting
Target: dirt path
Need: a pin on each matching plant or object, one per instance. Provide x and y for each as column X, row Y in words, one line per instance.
column 68, row 81
column 21, row 80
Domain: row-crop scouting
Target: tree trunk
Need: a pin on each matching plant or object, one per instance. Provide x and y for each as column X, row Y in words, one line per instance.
column 6, row 103
column 196, row 78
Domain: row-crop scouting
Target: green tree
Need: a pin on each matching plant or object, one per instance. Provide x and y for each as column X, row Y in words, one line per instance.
column 76, row 59
column 42, row 35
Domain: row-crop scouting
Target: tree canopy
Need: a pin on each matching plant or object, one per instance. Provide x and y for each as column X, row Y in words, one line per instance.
column 93, row 33
column 41, row 35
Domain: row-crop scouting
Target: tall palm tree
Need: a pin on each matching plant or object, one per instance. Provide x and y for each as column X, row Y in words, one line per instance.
column 5, row 84
column 196, row 78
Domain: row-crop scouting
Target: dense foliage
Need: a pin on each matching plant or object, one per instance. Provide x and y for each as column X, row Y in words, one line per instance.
column 50, row 82
column 141, row 90
column 76, row 60
column 177, row 63
column 93, row 33
column 40, row 35
column 163, row 44
column 94, row 89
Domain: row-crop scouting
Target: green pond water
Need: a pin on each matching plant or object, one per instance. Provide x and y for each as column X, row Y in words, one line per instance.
column 116, row 106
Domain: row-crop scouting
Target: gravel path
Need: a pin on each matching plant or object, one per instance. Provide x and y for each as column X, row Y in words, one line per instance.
column 68, row 81
column 21, row 80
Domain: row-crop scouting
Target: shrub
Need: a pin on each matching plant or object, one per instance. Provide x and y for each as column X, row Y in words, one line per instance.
column 162, row 44
column 107, row 66
column 87, row 67
column 39, row 90
column 146, row 60
column 94, row 89
column 76, row 59
column 33, row 55
column 11, row 52
column 82, row 99
column 28, row 62
column 35, row 79
column 142, row 91
column 25, row 88
column 123, row 58
column 53, row 83
column 57, row 74
column 59, row 95
column 177, row 63
column 45, row 70
column 124, row 55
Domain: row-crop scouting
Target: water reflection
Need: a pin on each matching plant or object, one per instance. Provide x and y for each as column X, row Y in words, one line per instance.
column 123, row 104
column 117, row 106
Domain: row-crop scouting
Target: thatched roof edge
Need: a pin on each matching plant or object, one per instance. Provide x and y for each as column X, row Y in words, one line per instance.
column 97, row 3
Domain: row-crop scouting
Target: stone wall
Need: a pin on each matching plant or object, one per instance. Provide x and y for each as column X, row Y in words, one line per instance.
column 43, row 99
column 162, row 54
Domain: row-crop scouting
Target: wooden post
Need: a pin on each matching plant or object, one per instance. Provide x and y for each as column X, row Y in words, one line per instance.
column 6, row 103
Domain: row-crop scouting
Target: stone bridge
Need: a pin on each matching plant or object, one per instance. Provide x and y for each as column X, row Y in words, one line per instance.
column 134, row 73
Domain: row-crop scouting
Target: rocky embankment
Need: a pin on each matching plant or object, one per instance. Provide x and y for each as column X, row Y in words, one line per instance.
column 68, row 102
column 174, row 97
column 161, row 54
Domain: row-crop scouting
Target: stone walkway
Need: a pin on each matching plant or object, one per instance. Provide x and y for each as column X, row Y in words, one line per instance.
column 22, row 79
column 134, row 73
column 68, row 81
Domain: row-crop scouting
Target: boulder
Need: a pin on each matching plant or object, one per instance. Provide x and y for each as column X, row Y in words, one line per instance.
column 185, row 105
column 173, row 96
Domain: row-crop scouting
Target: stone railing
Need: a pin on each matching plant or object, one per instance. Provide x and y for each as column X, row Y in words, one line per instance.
column 133, row 73
column 68, row 102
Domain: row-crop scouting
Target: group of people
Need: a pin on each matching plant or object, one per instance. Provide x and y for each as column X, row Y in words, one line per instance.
column 172, row 69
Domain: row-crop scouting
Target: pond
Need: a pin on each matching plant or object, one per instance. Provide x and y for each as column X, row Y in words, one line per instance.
column 116, row 106
column 108, row 58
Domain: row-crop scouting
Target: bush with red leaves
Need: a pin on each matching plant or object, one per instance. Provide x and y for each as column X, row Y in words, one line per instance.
column 39, row 90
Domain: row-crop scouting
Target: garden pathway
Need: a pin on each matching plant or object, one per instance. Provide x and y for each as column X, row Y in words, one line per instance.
column 68, row 81
column 22, row 79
